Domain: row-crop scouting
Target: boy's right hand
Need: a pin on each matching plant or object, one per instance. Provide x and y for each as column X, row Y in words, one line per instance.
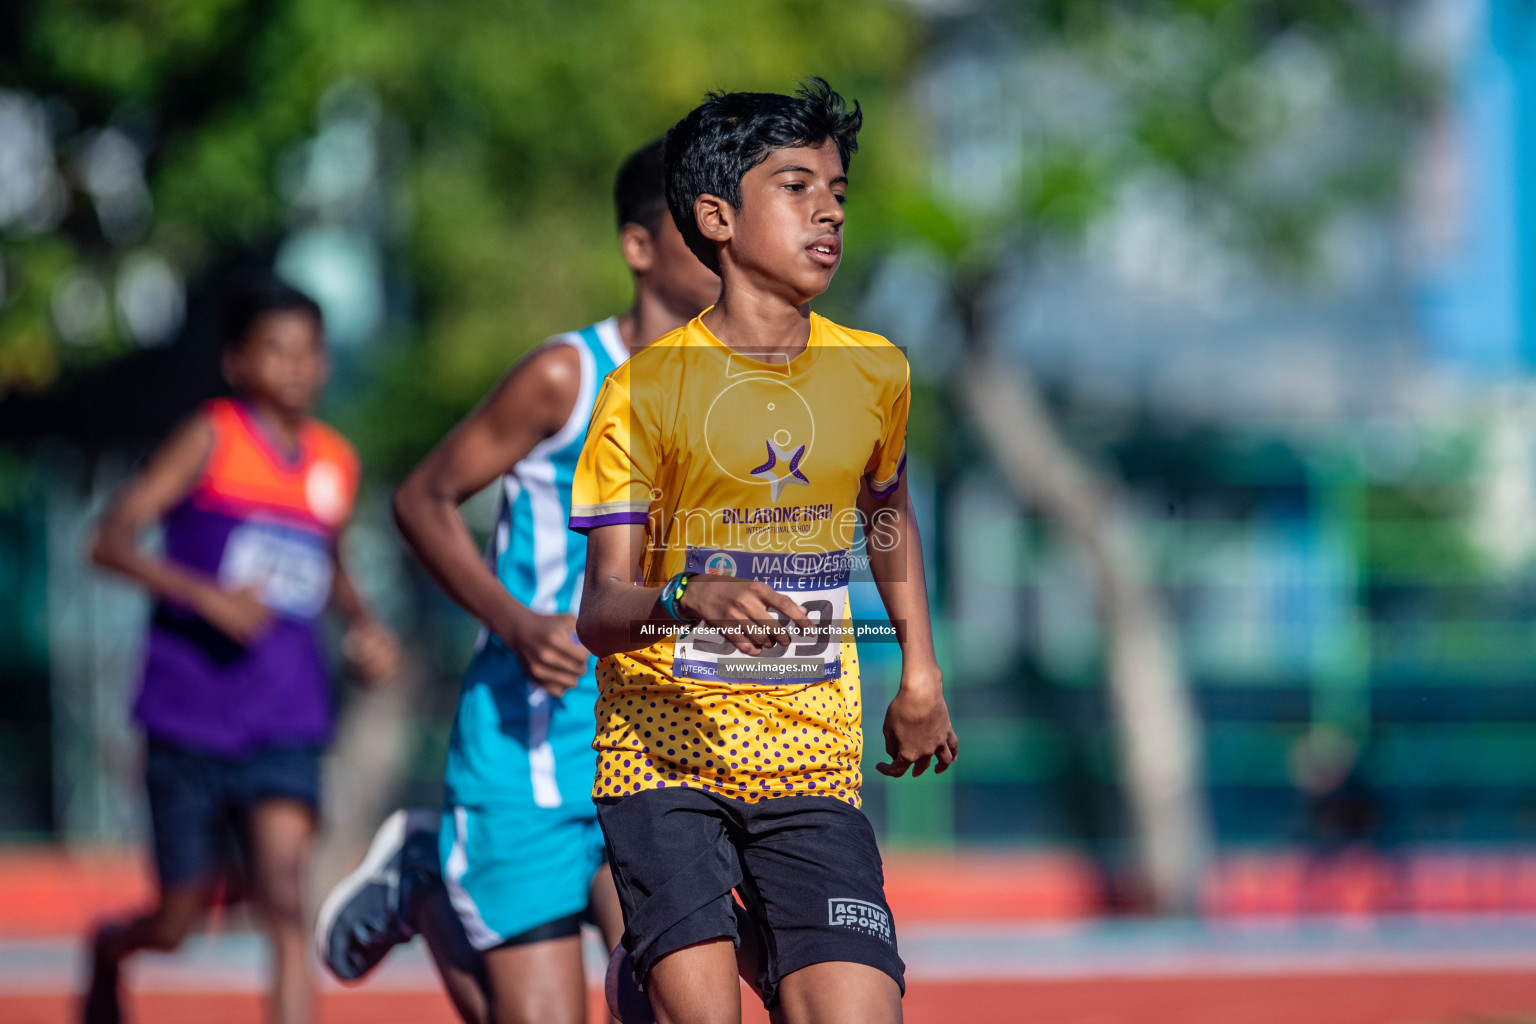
column 728, row 601
column 547, row 648
column 238, row 614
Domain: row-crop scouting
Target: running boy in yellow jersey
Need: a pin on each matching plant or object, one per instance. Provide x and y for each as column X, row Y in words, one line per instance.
column 720, row 483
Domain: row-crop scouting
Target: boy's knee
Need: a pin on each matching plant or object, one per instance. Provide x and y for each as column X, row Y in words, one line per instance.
column 533, row 1006
column 281, row 899
column 693, row 1007
column 164, row 933
column 284, row 909
column 703, row 1015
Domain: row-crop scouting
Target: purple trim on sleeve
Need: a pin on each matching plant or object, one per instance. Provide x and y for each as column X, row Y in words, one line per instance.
column 901, row 467
column 581, row 524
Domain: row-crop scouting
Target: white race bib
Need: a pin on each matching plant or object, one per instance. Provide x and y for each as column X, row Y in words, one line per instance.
column 817, row 581
column 289, row 569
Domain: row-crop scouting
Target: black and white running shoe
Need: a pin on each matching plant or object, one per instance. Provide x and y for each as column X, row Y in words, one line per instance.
column 368, row 913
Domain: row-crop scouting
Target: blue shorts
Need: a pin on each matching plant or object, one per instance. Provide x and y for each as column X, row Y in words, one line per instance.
column 198, row 802
column 519, row 874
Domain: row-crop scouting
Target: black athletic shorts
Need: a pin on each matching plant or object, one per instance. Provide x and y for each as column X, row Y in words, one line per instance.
column 806, row 867
column 198, row 801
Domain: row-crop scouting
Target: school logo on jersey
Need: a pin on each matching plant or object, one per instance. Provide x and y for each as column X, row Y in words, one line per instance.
column 761, row 430
column 325, row 492
column 720, row 564
column 861, row 916
column 782, row 468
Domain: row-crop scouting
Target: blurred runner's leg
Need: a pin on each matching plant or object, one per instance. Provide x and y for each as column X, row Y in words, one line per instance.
column 282, row 833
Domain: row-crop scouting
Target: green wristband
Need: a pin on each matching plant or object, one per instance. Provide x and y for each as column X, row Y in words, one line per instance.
column 672, row 592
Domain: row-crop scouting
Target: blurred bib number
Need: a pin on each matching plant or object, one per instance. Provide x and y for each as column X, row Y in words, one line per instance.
column 817, row 581
column 290, row 570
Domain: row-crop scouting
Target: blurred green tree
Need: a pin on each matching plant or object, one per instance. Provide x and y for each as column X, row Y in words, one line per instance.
column 505, row 123
column 159, row 130
column 1253, row 126
column 471, row 144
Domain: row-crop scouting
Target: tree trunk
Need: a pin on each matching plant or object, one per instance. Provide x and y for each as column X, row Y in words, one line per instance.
column 1156, row 728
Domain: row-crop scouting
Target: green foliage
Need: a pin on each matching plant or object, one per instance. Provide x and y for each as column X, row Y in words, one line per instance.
column 512, row 117
column 1268, row 117
column 1418, row 533
column 507, row 119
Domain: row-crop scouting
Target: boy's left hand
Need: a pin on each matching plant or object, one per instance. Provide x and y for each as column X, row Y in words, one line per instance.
column 372, row 651
column 917, row 728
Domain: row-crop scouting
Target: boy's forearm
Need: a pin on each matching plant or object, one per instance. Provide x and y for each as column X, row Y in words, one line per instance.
column 897, row 569
column 347, row 598
column 115, row 549
column 436, row 534
column 612, row 605
column 141, row 503
column 611, row 608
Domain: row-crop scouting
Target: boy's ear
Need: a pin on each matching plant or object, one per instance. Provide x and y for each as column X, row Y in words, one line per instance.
column 638, row 246
column 713, row 216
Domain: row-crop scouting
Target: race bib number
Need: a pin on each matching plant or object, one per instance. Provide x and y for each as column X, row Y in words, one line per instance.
column 818, row 582
column 289, row 569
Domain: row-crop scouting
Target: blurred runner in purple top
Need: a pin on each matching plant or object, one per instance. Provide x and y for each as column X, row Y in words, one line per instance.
column 235, row 698
column 262, row 520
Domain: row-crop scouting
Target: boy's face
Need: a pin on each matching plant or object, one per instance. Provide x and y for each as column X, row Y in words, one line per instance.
column 788, row 233
column 282, row 362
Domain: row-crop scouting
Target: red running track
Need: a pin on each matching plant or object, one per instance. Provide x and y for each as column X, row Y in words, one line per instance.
column 1471, row 998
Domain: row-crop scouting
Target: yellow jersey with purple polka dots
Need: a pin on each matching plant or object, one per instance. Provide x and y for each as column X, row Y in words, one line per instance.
column 750, row 466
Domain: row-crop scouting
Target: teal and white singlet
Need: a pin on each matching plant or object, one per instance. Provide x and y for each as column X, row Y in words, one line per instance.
column 520, row 840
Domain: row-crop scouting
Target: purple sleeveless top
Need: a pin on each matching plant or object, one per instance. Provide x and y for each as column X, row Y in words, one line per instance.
column 254, row 518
